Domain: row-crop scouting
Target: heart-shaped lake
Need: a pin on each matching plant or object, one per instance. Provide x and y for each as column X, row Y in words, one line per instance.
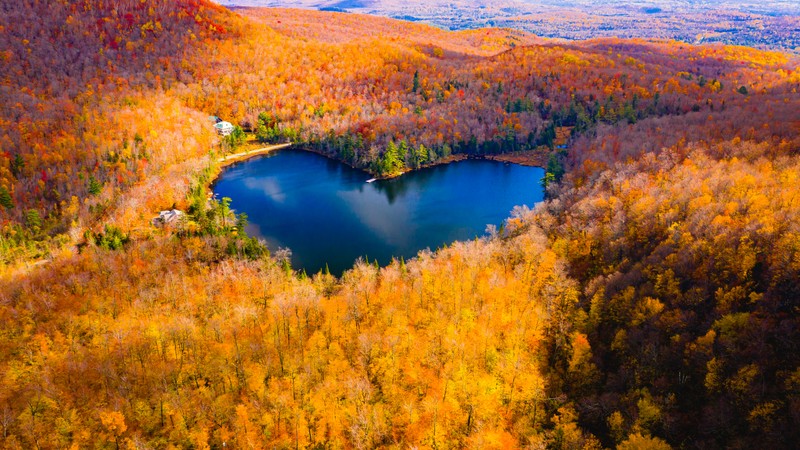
column 327, row 213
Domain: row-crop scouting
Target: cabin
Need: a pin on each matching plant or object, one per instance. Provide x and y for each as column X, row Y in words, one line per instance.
column 223, row 128
column 169, row 217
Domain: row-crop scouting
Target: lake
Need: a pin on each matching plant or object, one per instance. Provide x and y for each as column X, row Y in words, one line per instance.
column 326, row 212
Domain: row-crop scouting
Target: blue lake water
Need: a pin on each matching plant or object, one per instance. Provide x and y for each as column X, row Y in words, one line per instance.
column 327, row 213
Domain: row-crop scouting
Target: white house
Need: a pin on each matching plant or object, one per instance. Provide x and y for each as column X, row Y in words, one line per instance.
column 168, row 217
column 223, row 128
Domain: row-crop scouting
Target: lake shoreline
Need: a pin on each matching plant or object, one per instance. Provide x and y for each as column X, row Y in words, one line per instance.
column 227, row 160
column 532, row 158
column 529, row 158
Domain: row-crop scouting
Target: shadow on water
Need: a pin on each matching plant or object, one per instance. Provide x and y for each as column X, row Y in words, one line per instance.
column 398, row 187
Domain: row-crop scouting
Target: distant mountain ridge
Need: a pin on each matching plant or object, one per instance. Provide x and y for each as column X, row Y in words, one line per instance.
column 768, row 24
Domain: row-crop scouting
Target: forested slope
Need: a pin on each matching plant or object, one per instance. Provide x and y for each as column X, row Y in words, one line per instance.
column 86, row 115
column 651, row 301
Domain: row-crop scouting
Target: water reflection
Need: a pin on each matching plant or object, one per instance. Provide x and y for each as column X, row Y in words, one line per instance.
column 375, row 210
column 269, row 186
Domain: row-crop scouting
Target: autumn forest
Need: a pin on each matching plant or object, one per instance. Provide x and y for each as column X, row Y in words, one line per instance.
column 651, row 301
